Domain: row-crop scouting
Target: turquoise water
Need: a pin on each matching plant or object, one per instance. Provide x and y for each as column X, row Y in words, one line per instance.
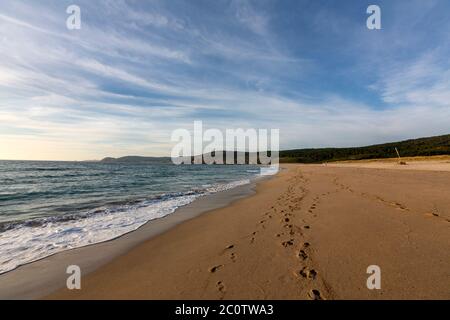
column 48, row 207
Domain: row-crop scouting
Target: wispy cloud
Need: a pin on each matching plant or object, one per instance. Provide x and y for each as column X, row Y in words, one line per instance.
column 137, row 70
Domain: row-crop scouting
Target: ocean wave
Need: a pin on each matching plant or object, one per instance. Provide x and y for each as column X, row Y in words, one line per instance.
column 28, row 241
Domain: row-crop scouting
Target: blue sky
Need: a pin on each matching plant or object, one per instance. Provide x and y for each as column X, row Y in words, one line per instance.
column 139, row 69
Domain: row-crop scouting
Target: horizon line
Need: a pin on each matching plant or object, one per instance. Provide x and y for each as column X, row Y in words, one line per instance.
column 295, row 149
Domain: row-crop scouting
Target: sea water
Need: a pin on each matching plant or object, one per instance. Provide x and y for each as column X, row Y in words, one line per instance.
column 49, row 207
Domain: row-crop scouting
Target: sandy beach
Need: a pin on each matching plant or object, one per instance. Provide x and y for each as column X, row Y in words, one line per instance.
column 141, row 141
column 308, row 233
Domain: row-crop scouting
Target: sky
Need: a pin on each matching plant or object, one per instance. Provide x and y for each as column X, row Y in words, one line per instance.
column 137, row 70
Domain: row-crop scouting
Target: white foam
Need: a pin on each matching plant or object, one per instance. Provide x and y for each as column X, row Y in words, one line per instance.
column 227, row 186
column 24, row 244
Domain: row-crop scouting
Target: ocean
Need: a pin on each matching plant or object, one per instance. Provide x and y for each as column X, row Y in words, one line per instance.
column 49, row 207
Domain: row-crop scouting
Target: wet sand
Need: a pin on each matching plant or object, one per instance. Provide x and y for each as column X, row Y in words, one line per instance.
column 309, row 233
column 40, row 278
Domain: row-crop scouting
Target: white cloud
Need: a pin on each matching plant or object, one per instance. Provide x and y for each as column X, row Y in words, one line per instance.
column 56, row 96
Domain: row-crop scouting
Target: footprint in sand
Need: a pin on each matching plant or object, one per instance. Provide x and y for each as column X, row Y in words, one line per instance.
column 308, row 273
column 312, row 208
column 232, row 254
column 399, row 206
column 252, row 239
column 287, row 243
column 220, row 286
column 302, row 255
column 215, row 268
column 435, row 215
column 314, row 294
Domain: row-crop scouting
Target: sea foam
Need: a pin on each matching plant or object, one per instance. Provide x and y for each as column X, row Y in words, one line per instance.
column 23, row 243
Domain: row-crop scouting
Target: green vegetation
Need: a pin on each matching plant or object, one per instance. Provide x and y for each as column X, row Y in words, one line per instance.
column 431, row 146
column 410, row 148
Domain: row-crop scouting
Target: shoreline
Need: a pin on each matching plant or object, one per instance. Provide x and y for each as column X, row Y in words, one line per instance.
column 39, row 278
column 311, row 232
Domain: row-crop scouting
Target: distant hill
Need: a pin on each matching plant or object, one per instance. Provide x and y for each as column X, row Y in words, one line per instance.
column 431, row 146
column 137, row 159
